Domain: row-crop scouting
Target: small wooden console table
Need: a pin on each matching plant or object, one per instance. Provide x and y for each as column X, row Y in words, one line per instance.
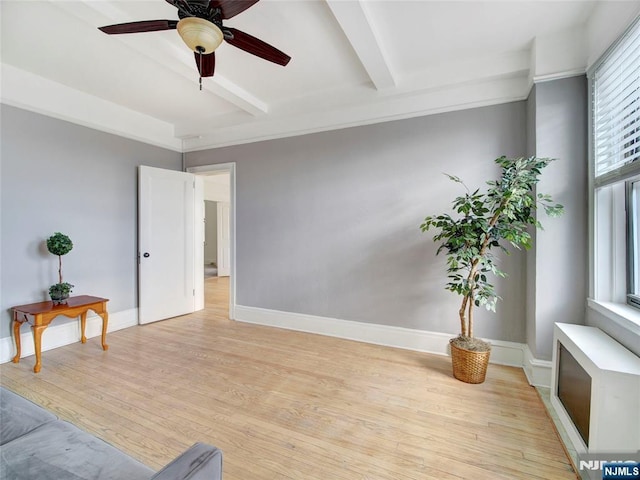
column 44, row 312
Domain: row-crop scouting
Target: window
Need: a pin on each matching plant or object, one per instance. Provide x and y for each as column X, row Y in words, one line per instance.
column 615, row 130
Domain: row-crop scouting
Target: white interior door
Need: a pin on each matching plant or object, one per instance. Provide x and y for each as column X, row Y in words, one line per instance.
column 224, row 240
column 166, row 243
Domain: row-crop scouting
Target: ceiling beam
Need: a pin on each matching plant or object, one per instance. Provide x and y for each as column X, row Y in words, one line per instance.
column 354, row 21
column 236, row 95
column 217, row 85
column 32, row 92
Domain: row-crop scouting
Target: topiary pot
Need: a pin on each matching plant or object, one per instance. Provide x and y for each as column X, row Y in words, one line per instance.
column 59, row 298
column 59, row 293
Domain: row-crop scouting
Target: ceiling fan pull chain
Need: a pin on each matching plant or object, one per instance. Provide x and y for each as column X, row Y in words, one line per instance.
column 200, row 68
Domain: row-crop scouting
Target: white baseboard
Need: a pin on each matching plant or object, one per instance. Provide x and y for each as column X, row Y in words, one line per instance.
column 538, row 372
column 503, row 353
column 66, row 333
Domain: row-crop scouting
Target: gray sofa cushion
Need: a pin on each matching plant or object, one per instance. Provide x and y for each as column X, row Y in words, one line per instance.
column 60, row 451
column 19, row 416
column 200, row 462
column 36, row 445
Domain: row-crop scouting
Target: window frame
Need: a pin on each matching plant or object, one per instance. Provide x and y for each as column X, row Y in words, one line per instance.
column 633, row 244
column 604, row 252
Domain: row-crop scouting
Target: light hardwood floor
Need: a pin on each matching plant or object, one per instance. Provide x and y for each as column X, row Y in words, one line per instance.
column 289, row 405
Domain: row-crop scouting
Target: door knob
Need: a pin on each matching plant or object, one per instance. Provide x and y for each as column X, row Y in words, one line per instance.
column 145, row 254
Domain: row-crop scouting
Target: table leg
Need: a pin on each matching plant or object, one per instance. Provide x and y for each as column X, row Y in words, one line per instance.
column 37, row 341
column 16, row 335
column 83, row 326
column 105, row 322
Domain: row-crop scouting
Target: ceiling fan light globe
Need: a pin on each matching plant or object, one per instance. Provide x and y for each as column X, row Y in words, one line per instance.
column 200, row 35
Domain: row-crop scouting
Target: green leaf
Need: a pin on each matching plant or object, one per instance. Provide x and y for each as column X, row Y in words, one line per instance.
column 453, row 178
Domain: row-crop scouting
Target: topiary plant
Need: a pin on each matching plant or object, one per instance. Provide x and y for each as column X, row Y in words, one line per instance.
column 59, row 244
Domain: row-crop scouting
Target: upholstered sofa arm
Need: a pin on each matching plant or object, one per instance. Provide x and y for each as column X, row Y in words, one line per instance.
column 200, row 462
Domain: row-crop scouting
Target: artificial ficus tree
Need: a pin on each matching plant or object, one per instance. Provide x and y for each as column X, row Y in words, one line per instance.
column 484, row 223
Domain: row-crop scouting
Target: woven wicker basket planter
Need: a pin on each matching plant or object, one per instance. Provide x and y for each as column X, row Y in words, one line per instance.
column 469, row 366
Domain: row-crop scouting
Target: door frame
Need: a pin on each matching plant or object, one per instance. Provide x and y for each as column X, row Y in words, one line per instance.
column 231, row 169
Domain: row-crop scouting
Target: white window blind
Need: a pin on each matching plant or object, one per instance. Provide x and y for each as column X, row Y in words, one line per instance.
column 616, row 96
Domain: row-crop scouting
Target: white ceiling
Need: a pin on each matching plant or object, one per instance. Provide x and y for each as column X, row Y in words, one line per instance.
column 353, row 62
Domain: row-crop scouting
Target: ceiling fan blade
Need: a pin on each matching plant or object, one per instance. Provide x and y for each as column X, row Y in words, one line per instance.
column 137, row 27
column 206, row 63
column 231, row 8
column 255, row 46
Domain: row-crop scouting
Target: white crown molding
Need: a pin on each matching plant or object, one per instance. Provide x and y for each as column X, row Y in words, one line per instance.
column 385, row 108
column 559, row 54
column 67, row 333
column 559, row 76
column 31, row 92
column 502, row 353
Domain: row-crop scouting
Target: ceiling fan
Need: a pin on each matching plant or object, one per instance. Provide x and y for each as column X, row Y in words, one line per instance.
column 200, row 27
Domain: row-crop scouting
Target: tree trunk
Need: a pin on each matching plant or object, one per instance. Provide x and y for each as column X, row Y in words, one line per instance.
column 470, row 329
column 468, row 300
column 60, row 268
column 474, row 270
column 463, row 319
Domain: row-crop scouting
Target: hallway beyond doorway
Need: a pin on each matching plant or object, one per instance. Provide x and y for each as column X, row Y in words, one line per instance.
column 216, row 296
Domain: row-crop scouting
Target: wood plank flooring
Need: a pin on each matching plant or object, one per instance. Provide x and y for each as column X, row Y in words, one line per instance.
column 286, row 405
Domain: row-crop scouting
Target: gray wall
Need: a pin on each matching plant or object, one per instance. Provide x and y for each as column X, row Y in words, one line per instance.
column 327, row 223
column 57, row 176
column 210, row 232
column 558, row 282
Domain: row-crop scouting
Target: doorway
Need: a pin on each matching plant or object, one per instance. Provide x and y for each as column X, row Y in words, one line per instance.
column 216, row 241
column 218, row 244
